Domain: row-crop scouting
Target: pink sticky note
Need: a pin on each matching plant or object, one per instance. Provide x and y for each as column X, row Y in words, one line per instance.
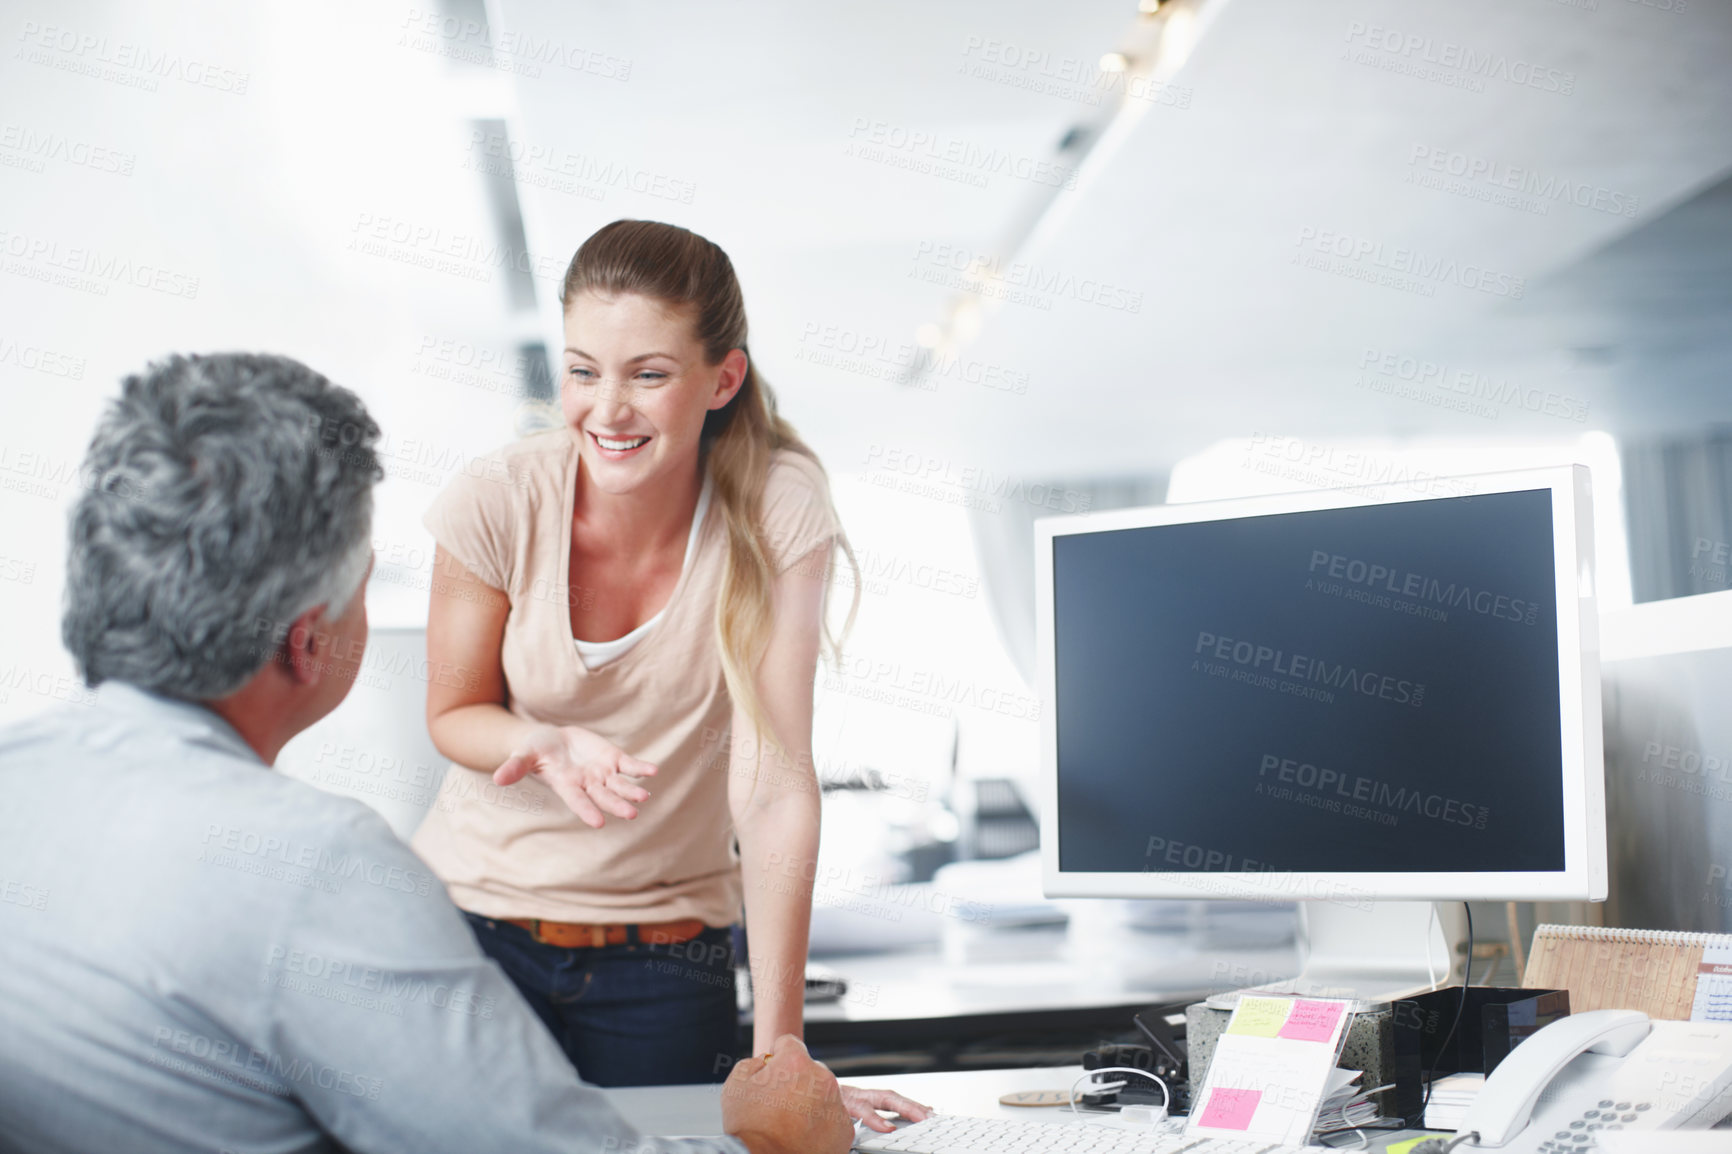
column 1230, row 1109
column 1312, row 1021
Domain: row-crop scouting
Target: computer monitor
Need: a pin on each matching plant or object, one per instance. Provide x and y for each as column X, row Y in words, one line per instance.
column 1358, row 699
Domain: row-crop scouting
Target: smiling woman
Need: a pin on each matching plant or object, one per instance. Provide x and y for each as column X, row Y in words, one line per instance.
column 687, row 533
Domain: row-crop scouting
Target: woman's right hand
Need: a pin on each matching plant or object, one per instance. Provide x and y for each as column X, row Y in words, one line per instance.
column 591, row 775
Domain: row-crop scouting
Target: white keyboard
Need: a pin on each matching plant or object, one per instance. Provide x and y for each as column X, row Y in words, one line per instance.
column 959, row 1134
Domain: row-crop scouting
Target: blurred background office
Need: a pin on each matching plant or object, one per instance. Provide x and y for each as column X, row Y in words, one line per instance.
column 1002, row 261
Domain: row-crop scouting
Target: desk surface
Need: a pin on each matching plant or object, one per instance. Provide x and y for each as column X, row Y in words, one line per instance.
column 675, row 1110
column 1010, row 971
column 1057, row 991
column 670, row 1110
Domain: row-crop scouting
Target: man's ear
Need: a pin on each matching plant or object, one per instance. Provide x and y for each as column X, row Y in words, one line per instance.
column 733, row 375
column 304, row 649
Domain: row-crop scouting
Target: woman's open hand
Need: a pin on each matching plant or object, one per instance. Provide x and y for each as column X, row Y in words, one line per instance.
column 591, row 775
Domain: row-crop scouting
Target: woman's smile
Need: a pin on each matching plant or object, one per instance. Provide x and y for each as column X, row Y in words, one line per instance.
column 617, row 448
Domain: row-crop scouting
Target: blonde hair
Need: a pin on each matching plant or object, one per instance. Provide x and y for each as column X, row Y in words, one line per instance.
column 679, row 267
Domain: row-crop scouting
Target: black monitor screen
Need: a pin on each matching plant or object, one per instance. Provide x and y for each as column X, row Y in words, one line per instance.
column 1368, row 689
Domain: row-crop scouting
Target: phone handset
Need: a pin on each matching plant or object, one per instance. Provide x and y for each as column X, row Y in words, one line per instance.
column 1503, row 1107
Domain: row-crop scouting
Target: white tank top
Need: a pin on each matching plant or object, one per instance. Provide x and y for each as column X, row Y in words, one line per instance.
column 595, row 654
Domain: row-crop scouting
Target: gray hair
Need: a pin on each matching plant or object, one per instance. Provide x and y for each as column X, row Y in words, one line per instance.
column 224, row 496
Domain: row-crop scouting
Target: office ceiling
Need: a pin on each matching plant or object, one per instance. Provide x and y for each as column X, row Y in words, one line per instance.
column 1575, row 275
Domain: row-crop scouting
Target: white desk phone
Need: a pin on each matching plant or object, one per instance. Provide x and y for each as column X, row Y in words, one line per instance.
column 1599, row 1071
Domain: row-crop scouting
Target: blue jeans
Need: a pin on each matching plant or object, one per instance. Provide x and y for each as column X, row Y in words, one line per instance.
column 638, row 1015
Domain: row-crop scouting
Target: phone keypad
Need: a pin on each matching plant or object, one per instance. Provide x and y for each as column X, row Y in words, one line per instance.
column 1577, row 1135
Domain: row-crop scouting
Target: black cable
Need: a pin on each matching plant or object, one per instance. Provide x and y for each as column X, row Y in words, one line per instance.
column 1444, row 1145
column 1460, row 1005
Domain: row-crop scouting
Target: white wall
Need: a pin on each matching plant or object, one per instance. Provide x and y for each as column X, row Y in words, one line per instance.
column 207, row 177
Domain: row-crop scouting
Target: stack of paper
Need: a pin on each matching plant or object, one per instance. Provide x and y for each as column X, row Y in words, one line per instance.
column 1344, row 1103
column 1450, row 1098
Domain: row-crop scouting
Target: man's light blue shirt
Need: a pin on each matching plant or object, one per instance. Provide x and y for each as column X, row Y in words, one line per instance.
column 197, row 954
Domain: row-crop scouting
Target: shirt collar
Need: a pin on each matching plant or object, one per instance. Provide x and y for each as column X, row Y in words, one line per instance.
column 188, row 717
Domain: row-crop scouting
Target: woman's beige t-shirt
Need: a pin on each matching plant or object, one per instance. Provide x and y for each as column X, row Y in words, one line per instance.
column 520, row 851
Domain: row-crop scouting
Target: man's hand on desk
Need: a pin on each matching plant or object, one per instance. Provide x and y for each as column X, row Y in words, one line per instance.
column 786, row 1103
column 790, row 1104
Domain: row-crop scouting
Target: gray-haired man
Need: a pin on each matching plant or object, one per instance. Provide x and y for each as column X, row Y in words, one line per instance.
column 198, row 954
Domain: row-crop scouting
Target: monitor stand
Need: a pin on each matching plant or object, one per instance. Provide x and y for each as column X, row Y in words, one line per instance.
column 1372, row 953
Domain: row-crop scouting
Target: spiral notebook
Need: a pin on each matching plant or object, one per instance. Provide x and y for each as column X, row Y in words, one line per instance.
column 1665, row 974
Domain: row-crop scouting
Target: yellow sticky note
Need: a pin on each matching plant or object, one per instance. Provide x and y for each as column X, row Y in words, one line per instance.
column 1407, row 1144
column 1259, row 1017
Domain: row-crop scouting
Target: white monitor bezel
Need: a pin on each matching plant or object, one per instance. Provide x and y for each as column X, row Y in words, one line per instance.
column 1584, row 874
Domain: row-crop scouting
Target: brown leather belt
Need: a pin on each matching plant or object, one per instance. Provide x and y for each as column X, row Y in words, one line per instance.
column 582, row 935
